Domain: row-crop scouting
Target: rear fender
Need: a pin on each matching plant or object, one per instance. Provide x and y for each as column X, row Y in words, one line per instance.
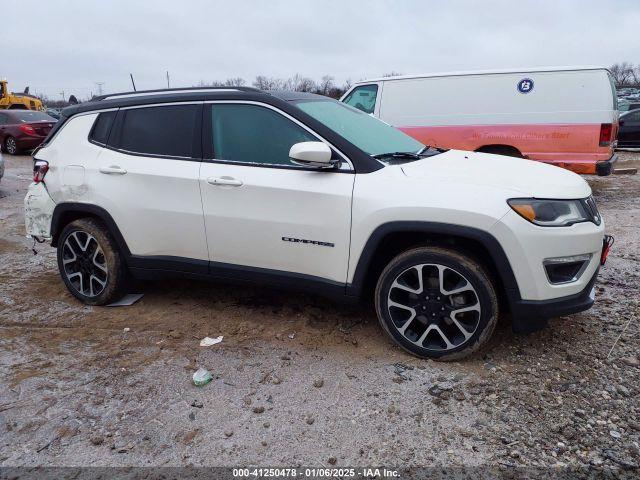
column 38, row 211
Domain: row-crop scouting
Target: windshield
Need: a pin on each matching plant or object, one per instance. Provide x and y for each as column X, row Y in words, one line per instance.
column 366, row 132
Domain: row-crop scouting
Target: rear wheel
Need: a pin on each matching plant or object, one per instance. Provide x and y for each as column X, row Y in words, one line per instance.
column 436, row 303
column 11, row 146
column 90, row 263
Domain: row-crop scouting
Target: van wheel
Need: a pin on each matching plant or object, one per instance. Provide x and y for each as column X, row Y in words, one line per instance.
column 436, row 303
column 505, row 150
column 90, row 263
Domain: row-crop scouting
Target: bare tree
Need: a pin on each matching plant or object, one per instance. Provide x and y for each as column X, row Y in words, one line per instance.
column 624, row 74
column 298, row 83
column 235, row 82
column 268, row 83
column 325, row 86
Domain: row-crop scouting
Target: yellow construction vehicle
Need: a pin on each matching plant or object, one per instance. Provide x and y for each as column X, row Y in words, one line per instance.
column 22, row 101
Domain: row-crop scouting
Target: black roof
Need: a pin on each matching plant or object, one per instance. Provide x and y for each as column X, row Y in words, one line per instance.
column 146, row 97
column 362, row 162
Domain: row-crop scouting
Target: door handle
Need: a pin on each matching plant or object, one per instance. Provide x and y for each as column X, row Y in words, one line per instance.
column 113, row 170
column 224, row 181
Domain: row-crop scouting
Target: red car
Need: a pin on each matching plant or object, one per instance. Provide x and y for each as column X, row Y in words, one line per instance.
column 23, row 129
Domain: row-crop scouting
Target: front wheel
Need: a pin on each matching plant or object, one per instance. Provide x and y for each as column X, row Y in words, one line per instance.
column 90, row 262
column 436, row 303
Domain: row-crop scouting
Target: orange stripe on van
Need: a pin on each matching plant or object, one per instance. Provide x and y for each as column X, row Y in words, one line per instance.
column 572, row 146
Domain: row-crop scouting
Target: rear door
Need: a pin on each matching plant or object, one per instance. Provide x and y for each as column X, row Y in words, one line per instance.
column 147, row 179
column 264, row 214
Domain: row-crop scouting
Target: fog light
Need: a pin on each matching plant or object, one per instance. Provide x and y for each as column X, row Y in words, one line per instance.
column 566, row 269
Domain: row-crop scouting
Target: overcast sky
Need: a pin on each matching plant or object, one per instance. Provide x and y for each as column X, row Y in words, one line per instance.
column 57, row 45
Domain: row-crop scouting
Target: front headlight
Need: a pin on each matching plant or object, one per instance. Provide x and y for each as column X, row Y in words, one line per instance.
column 556, row 213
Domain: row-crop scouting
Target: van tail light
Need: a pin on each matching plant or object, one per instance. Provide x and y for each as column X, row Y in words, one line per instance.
column 40, row 169
column 606, row 131
column 28, row 129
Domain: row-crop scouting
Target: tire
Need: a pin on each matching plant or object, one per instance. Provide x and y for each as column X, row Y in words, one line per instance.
column 90, row 263
column 504, row 150
column 422, row 317
column 11, row 146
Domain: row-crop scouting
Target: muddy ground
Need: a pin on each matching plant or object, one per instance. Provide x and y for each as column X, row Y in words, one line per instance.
column 303, row 381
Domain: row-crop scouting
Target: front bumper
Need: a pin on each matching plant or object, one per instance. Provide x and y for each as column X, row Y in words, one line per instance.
column 606, row 168
column 531, row 315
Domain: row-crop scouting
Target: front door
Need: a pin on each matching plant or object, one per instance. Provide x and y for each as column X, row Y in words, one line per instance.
column 262, row 211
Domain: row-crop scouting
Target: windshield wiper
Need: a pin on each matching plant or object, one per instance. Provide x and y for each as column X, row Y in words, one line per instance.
column 413, row 156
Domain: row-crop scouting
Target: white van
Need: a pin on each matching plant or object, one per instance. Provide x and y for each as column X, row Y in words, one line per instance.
column 566, row 116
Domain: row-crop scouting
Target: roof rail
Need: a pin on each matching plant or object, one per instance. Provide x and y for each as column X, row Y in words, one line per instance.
column 173, row 90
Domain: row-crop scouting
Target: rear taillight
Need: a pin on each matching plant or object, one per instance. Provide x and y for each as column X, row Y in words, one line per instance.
column 40, row 169
column 606, row 129
column 28, row 129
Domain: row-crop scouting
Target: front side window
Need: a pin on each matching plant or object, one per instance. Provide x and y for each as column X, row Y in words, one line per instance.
column 363, row 98
column 369, row 134
column 254, row 134
column 166, row 130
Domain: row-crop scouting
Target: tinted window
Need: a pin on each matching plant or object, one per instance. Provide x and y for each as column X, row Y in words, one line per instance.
column 363, row 98
column 364, row 131
column 102, row 127
column 26, row 116
column 253, row 134
column 631, row 117
column 166, row 130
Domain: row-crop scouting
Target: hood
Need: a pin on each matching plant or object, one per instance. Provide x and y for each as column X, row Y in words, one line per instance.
column 529, row 178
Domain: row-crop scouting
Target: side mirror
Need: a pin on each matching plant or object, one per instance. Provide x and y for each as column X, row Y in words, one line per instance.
column 621, row 122
column 312, row 154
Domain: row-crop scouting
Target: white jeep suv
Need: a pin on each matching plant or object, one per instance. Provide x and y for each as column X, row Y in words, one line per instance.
column 298, row 190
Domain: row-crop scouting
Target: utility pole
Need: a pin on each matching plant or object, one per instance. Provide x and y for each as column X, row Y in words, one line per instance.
column 99, row 85
column 132, row 82
column 63, row 97
column 168, row 84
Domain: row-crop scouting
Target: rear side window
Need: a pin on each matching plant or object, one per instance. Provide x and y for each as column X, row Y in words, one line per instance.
column 363, row 98
column 170, row 131
column 102, row 127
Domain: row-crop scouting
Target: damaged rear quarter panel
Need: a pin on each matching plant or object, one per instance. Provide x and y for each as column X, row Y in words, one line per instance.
column 38, row 211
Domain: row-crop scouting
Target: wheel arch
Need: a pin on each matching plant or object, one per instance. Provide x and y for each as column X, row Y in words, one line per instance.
column 501, row 149
column 67, row 212
column 390, row 239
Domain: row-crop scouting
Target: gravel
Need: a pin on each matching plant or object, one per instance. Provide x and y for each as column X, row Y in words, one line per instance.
column 77, row 390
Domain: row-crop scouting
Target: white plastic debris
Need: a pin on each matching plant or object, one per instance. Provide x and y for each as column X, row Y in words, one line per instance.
column 126, row 329
column 208, row 341
column 202, row 377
